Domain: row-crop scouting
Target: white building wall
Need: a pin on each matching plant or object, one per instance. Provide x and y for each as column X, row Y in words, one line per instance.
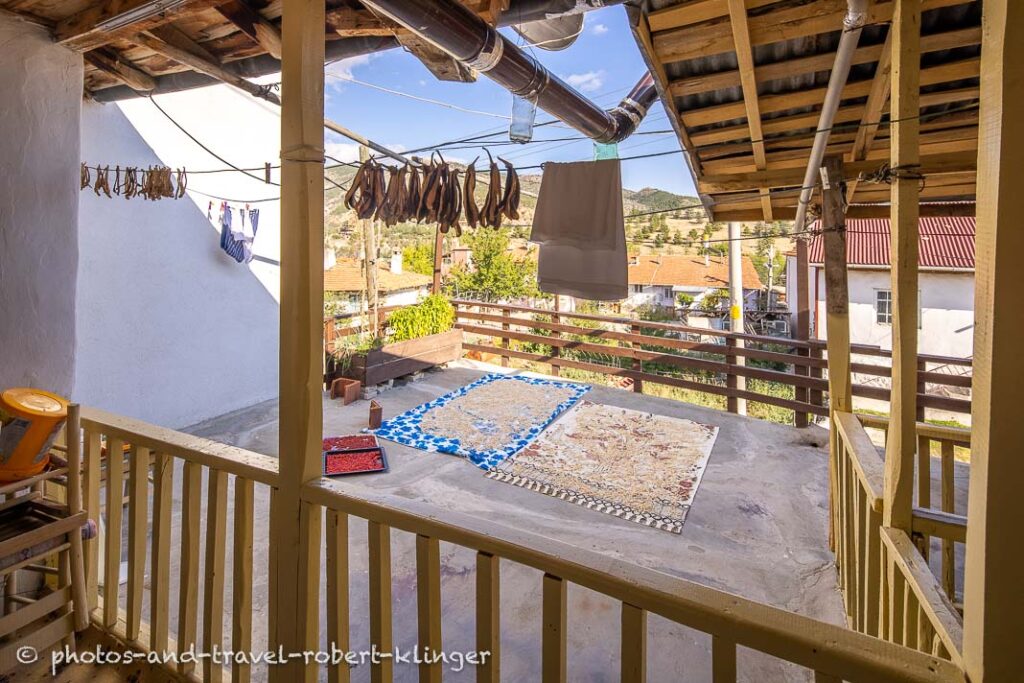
column 947, row 310
column 171, row 329
column 40, row 98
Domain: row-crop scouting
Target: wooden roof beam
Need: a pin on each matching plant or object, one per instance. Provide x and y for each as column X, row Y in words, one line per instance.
column 824, row 16
column 695, row 85
column 174, row 47
column 877, row 98
column 745, row 62
column 350, row 23
column 954, row 162
column 940, row 73
column 110, row 20
column 695, row 12
column 809, row 121
column 122, row 70
column 251, row 23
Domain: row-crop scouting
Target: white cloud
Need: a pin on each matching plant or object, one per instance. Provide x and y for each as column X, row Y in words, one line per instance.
column 599, row 29
column 345, row 68
column 586, row 82
column 342, row 151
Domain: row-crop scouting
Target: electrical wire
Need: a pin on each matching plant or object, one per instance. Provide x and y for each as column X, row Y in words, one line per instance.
column 446, row 105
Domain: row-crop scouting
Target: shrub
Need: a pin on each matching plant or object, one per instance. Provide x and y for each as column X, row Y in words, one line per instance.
column 433, row 315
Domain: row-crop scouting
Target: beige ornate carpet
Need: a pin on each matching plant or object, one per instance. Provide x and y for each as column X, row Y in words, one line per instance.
column 638, row 466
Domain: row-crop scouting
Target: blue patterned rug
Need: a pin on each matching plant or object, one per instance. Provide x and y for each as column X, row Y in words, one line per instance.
column 486, row 421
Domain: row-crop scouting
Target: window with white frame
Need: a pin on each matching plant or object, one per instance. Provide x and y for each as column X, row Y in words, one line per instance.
column 883, row 306
column 637, row 289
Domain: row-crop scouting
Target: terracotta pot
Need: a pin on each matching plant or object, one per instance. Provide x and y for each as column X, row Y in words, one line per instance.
column 346, row 389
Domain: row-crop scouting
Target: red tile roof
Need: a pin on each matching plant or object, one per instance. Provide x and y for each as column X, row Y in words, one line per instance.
column 688, row 271
column 945, row 242
column 347, row 276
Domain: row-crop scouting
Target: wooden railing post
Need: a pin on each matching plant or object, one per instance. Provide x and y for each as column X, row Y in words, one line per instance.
column 638, row 365
column 803, row 323
column 506, row 314
column 556, row 351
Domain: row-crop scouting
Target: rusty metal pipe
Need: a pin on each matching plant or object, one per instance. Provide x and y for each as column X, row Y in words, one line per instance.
column 451, row 27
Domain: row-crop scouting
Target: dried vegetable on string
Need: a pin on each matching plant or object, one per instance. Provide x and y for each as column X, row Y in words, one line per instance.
column 153, row 183
column 469, row 195
column 490, row 212
column 433, row 193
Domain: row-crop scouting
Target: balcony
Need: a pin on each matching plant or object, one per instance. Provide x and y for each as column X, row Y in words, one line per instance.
column 435, row 554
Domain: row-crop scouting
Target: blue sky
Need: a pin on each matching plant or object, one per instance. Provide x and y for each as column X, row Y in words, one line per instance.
column 603, row 63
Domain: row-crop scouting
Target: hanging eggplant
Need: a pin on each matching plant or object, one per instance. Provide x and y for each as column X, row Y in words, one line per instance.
column 412, row 198
column 510, row 200
column 469, row 195
column 490, row 212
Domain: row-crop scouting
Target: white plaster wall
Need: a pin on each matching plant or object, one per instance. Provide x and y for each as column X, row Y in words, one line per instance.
column 947, row 311
column 40, row 97
column 171, row 329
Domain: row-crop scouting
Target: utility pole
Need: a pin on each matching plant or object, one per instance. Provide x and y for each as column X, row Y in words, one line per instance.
column 370, row 261
column 736, row 305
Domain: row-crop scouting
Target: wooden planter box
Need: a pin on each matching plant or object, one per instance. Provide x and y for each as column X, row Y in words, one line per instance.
column 402, row 358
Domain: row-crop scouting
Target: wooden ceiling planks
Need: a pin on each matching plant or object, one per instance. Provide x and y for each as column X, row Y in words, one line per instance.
column 746, row 113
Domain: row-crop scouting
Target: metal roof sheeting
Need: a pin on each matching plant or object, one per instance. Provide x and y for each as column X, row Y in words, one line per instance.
column 945, row 242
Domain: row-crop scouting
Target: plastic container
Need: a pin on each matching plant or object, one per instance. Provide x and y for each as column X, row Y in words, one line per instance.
column 32, row 419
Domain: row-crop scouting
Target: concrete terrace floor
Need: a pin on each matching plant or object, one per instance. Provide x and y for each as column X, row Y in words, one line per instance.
column 757, row 528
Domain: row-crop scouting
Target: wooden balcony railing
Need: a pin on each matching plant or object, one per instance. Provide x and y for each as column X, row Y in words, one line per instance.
column 127, row 458
column 936, row 520
column 832, row 653
column 888, row 589
column 687, row 357
column 151, row 455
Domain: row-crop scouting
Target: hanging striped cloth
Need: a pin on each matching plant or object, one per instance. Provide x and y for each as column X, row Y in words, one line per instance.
column 232, row 247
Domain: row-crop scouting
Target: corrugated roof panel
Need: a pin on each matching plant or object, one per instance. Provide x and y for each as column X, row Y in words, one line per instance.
column 945, row 242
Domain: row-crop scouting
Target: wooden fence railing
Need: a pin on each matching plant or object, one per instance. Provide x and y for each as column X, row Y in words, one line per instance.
column 687, row 357
column 831, row 652
column 887, row 587
column 936, row 519
column 338, row 327
column 153, row 456
column 129, row 460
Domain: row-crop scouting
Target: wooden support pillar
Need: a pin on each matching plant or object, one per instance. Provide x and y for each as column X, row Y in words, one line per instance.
column 993, row 590
column 294, row 526
column 370, row 263
column 438, row 256
column 802, row 326
column 837, row 312
column 901, row 446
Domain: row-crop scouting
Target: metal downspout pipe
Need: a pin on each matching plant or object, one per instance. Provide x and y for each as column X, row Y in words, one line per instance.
column 853, row 23
column 453, row 28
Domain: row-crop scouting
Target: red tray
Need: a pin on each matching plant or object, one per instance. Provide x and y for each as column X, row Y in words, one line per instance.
column 338, row 463
column 352, row 442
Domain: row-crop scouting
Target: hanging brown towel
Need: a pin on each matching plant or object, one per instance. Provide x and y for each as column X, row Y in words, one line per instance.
column 579, row 225
column 579, row 204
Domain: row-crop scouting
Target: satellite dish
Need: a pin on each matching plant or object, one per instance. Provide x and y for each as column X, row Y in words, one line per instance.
column 552, row 34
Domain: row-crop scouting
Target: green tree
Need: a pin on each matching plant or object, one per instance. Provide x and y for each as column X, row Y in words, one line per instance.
column 419, row 258
column 497, row 274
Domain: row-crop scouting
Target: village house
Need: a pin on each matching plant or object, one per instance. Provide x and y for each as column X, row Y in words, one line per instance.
column 659, row 279
column 345, row 284
column 945, row 284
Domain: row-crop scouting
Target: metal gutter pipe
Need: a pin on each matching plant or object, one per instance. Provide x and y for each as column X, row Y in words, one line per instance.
column 453, row 28
column 853, row 23
column 519, row 12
